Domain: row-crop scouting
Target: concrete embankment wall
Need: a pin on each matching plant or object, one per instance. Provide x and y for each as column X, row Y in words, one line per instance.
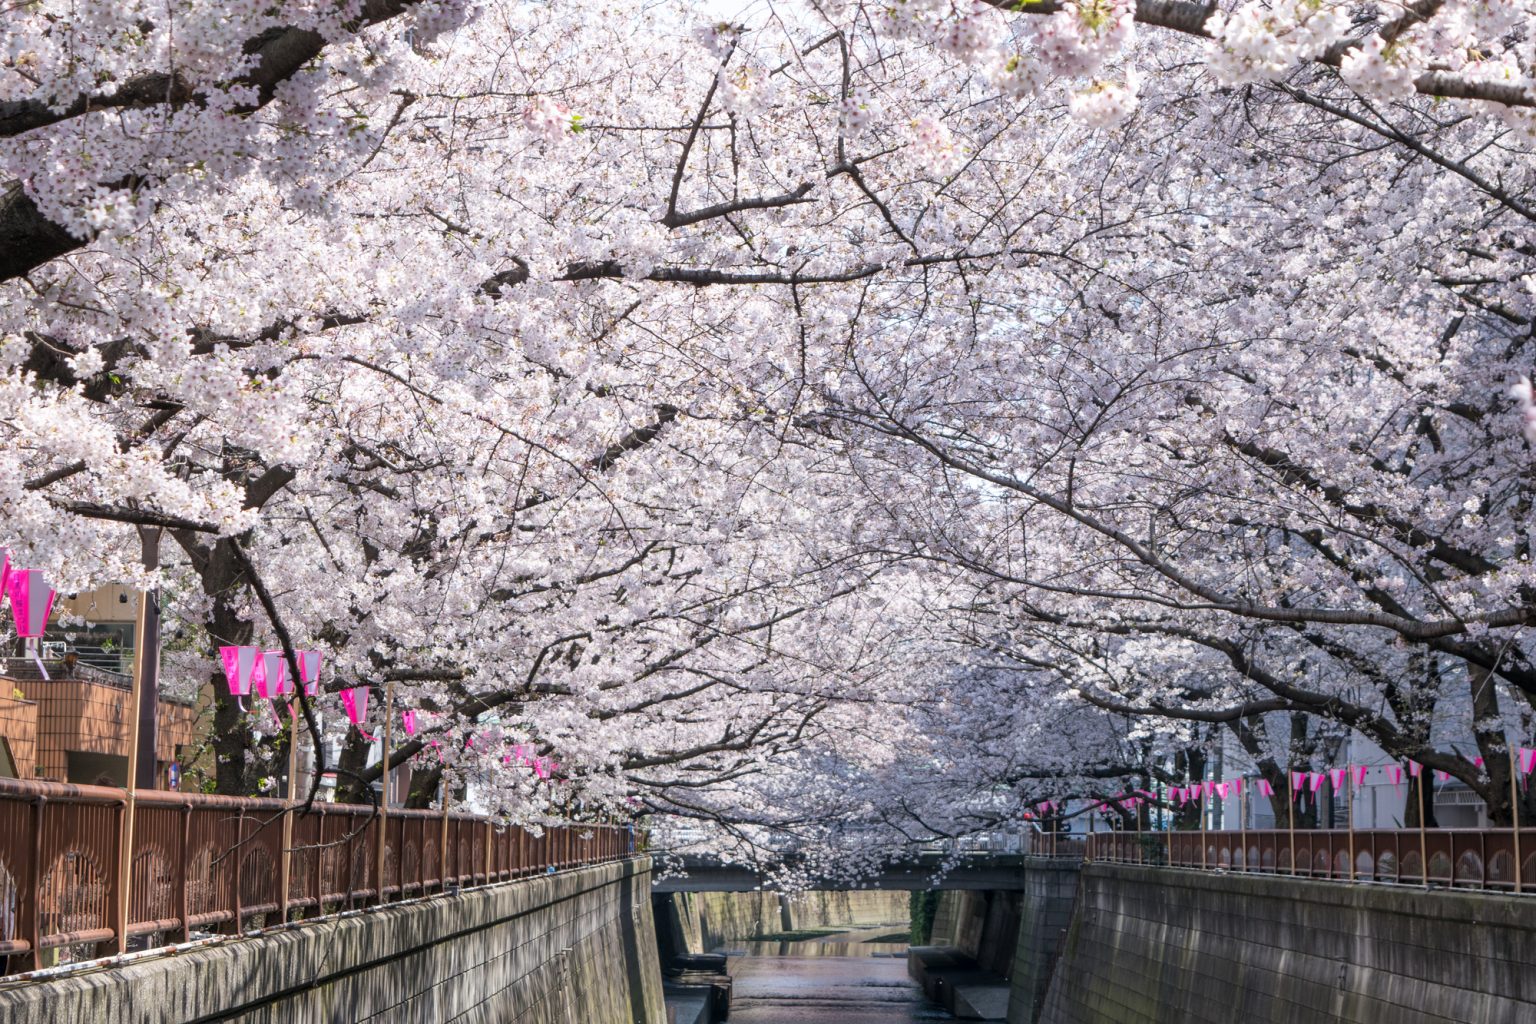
column 1185, row 947
column 702, row 922
column 570, row 948
column 1015, row 935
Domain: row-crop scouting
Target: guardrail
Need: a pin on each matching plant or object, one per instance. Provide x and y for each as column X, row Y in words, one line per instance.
column 216, row 863
column 1498, row 860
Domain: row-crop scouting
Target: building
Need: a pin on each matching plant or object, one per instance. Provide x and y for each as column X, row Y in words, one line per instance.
column 76, row 725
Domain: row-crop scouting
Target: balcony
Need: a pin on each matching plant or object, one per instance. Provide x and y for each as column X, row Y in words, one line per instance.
column 76, row 725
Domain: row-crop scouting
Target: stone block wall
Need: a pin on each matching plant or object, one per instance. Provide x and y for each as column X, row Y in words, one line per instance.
column 1152, row 945
column 570, row 948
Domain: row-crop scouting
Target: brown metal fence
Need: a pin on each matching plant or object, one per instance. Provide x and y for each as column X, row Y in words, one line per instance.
column 1455, row 858
column 213, row 864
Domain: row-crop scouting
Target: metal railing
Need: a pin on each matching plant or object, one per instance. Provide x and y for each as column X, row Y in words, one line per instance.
column 215, row 864
column 1495, row 859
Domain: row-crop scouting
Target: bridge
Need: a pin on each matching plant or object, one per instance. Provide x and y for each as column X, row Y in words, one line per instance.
column 990, row 872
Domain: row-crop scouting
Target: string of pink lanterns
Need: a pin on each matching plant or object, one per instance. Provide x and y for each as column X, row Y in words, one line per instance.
column 249, row 668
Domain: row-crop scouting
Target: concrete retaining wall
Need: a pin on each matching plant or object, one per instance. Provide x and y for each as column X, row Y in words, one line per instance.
column 571, row 948
column 705, row 921
column 1045, row 917
column 1186, row 947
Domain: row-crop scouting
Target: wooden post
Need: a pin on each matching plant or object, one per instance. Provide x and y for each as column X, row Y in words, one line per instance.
column 1242, row 818
column 1349, row 814
column 1514, row 809
column 1423, row 834
column 285, row 872
column 442, row 860
column 125, row 842
column 1204, row 800
column 389, row 700
column 1290, row 811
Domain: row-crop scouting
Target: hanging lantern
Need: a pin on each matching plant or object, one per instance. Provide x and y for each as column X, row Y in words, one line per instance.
column 31, row 601
column 243, row 666
column 274, row 681
column 355, row 701
column 309, row 671
column 408, row 720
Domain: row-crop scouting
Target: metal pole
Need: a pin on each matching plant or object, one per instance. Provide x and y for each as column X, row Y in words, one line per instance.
column 1514, row 809
column 389, row 701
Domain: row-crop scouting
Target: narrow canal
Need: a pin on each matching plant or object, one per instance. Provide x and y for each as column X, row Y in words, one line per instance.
column 835, row 978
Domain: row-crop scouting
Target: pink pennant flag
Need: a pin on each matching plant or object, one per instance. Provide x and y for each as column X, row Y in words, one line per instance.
column 1360, row 774
column 1317, row 781
column 408, row 720
column 1414, row 768
column 1527, row 760
column 31, row 601
column 309, row 671
column 1395, row 775
column 1265, row 789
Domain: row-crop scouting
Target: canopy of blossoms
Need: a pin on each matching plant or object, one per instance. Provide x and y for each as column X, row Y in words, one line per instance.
column 845, row 423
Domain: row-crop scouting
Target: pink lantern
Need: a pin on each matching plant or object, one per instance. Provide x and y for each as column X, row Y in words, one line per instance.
column 1265, row 789
column 541, row 767
column 309, row 671
column 408, row 720
column 1336, row 776
column 273, row 681
column 244, row 667
column 1527, row 760
column 1317, row 781
column 355, row 701
column 1395, row 774
column 1360, row 774
column 1414, row 768
column 31, row 601
column 1297, row 780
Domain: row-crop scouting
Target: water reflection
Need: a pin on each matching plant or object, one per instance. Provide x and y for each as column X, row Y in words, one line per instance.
column 835, row 979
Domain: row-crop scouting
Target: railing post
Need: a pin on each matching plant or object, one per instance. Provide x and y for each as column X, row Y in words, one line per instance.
column 32, row 907
column 235, row 879
column 489, row 832
column 182, row 900
column 120, row 907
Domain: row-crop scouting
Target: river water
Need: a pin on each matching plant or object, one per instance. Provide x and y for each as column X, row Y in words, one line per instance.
column 834, row 979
